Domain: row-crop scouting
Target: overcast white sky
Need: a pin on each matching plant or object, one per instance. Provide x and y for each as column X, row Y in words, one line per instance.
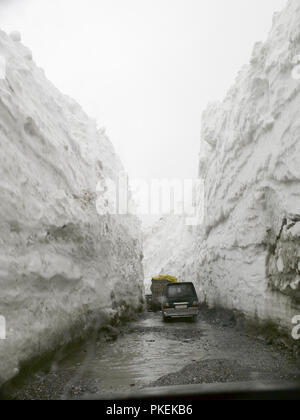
column 145, row 69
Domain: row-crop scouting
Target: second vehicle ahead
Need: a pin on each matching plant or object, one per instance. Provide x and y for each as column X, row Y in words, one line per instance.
column 180, row 300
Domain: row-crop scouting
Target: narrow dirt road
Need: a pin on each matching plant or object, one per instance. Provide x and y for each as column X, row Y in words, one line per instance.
column 151, row 353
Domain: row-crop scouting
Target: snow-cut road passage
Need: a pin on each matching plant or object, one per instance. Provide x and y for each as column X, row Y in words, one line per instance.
column 151, row 353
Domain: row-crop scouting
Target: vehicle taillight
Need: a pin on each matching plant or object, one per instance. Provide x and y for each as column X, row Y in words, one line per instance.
column 196, row 305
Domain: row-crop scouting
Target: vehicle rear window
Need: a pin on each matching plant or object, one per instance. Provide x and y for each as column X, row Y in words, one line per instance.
column 180, row 290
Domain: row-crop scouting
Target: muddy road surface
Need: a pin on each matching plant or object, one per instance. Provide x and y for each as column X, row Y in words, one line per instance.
column 149, row 353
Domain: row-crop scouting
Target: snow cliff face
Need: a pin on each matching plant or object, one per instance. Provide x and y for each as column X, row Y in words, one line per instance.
column 248, row 257
column 63, row 268
column 169, row 249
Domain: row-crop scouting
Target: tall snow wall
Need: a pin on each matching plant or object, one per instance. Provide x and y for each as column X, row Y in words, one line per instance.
column 63, row 267
column 248, row 257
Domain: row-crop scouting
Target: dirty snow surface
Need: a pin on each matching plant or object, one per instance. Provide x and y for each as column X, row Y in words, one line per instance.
column 63, row 268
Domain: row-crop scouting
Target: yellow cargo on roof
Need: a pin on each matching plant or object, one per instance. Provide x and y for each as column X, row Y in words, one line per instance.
column 166, row 277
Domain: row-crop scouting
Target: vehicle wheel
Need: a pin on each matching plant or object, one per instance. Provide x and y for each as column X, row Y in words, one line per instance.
column 165, row 318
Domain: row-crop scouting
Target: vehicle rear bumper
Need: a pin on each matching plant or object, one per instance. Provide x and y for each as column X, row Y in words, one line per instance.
column 180, row 313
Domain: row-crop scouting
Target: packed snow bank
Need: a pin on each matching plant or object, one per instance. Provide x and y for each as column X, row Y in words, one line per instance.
column 249, row 255
column 63, row 267
column 169, row 249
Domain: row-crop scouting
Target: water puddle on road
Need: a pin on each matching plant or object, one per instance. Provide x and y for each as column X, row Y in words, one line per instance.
column 148, row 350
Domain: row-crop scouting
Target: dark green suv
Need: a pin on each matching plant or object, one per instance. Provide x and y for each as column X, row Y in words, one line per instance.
column 180, row 300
